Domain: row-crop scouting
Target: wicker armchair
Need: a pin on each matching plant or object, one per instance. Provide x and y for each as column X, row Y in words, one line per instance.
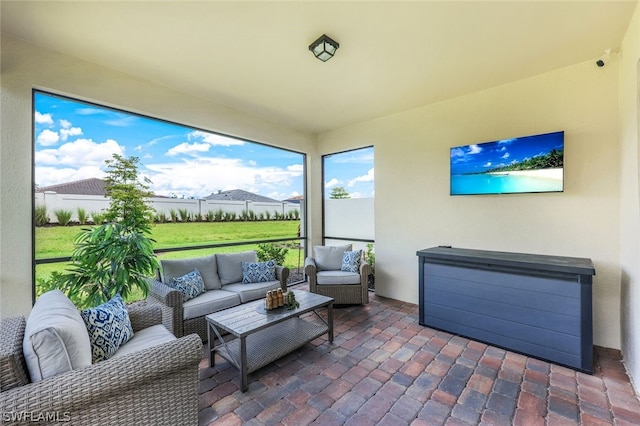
column 157, row 385
column 345, row 288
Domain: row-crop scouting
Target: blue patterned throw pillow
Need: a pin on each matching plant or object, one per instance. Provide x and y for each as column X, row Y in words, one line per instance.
column 258, row 272
column 190, row 285
column 351, row 261
column 109, row 327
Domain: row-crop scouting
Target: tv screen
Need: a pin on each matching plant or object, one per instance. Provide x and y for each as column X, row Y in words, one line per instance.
column 525, row 164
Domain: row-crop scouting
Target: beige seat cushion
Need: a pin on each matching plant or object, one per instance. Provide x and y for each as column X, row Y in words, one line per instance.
column 209, row 302
column 329, row 258
column 56, row 338
column 206, row 265
column 337, row 277
column 145, row 338
column 252, row 291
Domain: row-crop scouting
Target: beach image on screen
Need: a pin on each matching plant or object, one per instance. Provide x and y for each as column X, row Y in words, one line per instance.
column 525, row 164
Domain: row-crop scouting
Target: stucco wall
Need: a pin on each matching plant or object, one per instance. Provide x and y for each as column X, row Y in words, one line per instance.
column 629, row 95
column 25, row 67
column 412, row 163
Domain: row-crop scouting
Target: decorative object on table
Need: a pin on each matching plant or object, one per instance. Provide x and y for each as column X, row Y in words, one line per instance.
column 275, row 299
column 292, row 303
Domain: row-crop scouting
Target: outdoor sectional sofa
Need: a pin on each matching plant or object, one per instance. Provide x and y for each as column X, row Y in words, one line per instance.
column 223, row 275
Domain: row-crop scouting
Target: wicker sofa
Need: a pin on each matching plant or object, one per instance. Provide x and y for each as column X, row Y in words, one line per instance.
column 151, row 386
column 222, row 275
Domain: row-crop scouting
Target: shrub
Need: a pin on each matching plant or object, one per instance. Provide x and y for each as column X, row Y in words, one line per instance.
column 161, row 217
column 218, row 215
column 41, row 216
column 174, row 215
column 269, row 251
column 296, row 214
column 184, row 215
column 82, row 216
column 370, row 258
column 261, row 216
column 267, row 214
column 209, row 216
column 230, row 216
column 63, row 216
column 251, row 214
column 98, row 218
column 244, row 216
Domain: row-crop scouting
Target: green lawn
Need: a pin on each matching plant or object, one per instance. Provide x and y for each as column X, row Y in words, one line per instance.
column 57, row 241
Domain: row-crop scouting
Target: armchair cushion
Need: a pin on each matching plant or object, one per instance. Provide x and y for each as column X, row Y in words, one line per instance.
column 145, row 338
column 337, row 278
column 230, row 265
column 56, row 338
column 109, row 327
column 351, row 261
column 13, row 370
column 329, row 258
column 206, row 265
column 190, row 284
column 258, row 272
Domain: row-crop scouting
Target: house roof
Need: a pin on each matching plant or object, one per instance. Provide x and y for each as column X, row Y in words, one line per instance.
column 393, row 56
column 239, row 195
column 92, row 186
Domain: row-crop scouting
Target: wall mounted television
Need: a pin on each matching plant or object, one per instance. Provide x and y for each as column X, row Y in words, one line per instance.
column 519, row 165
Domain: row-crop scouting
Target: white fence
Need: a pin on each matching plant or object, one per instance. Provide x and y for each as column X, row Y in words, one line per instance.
column 195, row 208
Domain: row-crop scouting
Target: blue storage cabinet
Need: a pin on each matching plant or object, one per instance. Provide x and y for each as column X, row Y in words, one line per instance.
column 533, row 304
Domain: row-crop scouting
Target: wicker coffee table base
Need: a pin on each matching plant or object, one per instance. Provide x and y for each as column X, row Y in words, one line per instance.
column 255, row 348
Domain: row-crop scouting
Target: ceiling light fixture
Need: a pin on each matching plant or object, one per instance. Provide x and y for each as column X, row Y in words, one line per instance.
column 324, row 48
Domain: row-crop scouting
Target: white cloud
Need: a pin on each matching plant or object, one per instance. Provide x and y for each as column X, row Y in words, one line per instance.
column 48, row 137
column 332, row 182
column 65, row 124
column 296, row 168
column 457, row 152
column 200, row 177
column 122, row 121
column 214, row 139
column 188, row 149
column 70, row 131
column 505, row 156
column 487, row 164
column 364, row 178
column 43, row 118
column 79, row 153
column 46, row 176
column 474, row 149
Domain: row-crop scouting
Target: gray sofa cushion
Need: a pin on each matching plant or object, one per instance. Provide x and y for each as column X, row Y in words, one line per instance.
column 55, row 339
column 337, row 277
column 252, row 291
column 145, row 338
column 230, row 265
column 329, row 258
column 209, row 302
column 206, row 265
column 14, row 370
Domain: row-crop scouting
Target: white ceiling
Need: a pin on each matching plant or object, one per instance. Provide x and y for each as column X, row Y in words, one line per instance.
column 254, row 57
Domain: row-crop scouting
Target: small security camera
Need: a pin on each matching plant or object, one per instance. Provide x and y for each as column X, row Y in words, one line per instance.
column 604, row 59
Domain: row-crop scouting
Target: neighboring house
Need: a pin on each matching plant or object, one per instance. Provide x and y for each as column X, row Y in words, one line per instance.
column 91, row 186
column 295, row 200
column 239, row 195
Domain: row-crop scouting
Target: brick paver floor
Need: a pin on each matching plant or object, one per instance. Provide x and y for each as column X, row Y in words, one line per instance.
column 384, row 368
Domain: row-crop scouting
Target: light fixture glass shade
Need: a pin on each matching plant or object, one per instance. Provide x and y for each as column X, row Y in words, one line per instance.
column 324, row 48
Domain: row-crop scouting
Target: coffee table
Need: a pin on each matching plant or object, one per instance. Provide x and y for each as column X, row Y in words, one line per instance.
column 264, row 336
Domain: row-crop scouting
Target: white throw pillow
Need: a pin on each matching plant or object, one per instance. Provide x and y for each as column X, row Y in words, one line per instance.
column 55, row 339
column 329, row 258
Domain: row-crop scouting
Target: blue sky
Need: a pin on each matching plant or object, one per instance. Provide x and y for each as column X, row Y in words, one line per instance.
column 352, row 170
column 478, row 158
column 73, row 140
